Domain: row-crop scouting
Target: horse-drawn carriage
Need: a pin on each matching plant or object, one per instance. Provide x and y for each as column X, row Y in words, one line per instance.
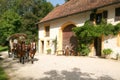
column 19, row 49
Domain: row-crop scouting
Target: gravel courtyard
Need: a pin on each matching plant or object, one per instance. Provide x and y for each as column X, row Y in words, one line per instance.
column 51, row 67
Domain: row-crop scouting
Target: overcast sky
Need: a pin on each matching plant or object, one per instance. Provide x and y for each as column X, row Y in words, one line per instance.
column 54, row 2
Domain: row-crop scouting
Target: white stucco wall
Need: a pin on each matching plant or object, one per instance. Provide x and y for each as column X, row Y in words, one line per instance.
column 111, row 14
column 78, row 20
column 56, row 25
column 111, row 41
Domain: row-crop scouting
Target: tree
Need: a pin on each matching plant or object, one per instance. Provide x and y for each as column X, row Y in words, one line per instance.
column 29, row 12
column 57, row 5
column 67, row 0
column 9, row 24
column 32, row 11
column 88, row 32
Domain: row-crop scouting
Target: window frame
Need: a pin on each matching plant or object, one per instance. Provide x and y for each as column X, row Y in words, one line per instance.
column 117, row 14
column 47, row 31
column 99, row 15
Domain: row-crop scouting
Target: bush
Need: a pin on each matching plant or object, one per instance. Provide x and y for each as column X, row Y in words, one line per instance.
column 3, row 75
column 83, row 50
column 48, row 51
column 3, row 48
column 107, row 51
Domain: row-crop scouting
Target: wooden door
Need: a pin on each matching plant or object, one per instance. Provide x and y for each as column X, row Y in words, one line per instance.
column 69, row 38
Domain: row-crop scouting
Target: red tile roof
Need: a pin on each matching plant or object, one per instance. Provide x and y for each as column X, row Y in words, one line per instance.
column 76, row 6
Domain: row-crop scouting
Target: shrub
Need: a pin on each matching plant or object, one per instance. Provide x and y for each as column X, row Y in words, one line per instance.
column 48, row 51
column 3, row 75
column 3, row 48
column 107, row 51
column 83, row 50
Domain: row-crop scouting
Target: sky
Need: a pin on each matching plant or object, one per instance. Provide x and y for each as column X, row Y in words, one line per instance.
column 54, row 2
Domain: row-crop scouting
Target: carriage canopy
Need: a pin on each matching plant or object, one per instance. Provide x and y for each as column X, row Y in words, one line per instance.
column 17, row 36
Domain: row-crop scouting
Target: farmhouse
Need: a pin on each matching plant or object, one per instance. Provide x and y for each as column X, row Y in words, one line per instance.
column 55, row 29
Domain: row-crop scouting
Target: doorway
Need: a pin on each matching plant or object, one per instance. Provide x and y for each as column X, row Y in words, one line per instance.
column 69, row 38
column 97, row 46
column 42, row 50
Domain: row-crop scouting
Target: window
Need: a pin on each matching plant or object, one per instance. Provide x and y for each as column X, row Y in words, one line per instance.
column 105, row 14
column 99, row 16
column 48, row 44
column 117, row 14
column 47, row 31
column 92, row 16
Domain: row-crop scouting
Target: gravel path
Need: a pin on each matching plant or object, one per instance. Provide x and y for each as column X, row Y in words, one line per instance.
column 51, row 67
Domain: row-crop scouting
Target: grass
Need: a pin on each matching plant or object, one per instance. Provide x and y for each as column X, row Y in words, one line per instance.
column 3, row 75
column 3, row 48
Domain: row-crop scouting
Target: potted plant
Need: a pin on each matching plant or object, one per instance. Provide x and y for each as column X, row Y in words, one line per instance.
column 107, row 52
column 48, row 51
column 117, row 56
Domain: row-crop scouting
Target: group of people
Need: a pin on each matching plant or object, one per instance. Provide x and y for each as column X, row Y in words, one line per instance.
column 22, row 50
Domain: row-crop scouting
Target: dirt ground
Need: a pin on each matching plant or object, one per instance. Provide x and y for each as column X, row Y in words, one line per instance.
column 52, row 67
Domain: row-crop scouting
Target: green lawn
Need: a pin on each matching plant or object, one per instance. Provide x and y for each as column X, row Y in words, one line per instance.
column 3, row 75
column 3, row 48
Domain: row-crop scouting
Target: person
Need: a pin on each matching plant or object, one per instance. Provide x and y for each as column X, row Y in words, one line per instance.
column 10, row 47
column 15, row 41
column 67, row 50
